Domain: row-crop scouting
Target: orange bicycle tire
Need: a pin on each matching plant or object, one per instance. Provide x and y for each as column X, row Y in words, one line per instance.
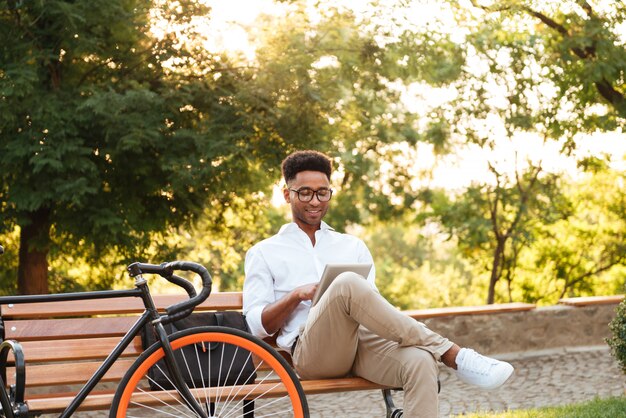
column 285, row 376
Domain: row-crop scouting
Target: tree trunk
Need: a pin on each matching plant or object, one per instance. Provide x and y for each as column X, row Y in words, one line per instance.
column 32, row 272
column 495, row 271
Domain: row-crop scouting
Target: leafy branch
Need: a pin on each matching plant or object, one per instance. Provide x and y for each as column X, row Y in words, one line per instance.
column 588, row 53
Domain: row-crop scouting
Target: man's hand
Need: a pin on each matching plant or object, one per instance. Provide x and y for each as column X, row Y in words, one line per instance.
column 275, row 314
column 305, row 292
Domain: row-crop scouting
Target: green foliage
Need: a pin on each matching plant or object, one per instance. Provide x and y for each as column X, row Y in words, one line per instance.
column 415, row 270
column 617, row 341
column 138, row 143
column 337, row 81
column 583, row 253
column 555, row 68
column 533, row 60
column 71, row 269
column 568, row 240
column 8, row 262
column 494, row 223
column 610, row 407
column 115, row 127
column 221, row 239
column 110, row 133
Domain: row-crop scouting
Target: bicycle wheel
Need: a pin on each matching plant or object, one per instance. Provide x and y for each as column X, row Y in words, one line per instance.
column 276, row 390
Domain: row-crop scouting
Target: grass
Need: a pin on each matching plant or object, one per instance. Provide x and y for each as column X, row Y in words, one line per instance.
column 599, row 408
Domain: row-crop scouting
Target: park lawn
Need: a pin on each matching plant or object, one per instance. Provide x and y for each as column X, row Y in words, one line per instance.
column 599, row 408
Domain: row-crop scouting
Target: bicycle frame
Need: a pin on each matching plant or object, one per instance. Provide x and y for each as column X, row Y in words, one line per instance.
column 150, row 315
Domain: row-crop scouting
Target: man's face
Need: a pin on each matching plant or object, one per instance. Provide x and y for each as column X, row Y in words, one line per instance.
column 312, row 212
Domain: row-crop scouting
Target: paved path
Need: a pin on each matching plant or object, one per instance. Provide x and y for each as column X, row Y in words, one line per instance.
column 547, row 378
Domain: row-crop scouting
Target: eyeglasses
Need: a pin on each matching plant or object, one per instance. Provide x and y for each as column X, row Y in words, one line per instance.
column 306, row 195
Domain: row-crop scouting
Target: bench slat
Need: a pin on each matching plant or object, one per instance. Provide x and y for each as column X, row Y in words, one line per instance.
column 115, row 306
column 48, row 374
column 47, row 329
column 101, row 401
column 63, row 350
column 76, row 372
column 345, row 384
column 470, row 310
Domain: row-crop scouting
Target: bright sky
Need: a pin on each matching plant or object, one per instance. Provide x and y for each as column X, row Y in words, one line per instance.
column 229, row 21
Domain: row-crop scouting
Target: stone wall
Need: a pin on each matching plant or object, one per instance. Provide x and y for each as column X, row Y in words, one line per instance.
column 538, row 329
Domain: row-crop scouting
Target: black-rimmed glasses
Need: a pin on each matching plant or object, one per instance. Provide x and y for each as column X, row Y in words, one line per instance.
column 306, row 195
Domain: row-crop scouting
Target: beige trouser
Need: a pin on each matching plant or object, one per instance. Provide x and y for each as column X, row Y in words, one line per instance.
column 354, row 330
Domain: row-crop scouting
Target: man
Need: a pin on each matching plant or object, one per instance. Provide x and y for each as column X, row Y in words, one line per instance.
column 352, row 329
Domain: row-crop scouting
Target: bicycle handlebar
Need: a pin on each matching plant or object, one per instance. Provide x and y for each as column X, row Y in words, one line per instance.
column 166, row 270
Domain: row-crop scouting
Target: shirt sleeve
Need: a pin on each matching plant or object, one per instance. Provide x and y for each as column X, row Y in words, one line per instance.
column 258, row 291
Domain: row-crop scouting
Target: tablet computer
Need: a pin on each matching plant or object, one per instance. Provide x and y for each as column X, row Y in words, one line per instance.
column 331, row 271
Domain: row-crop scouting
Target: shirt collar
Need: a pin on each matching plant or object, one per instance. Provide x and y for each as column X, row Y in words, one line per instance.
column 292, row 227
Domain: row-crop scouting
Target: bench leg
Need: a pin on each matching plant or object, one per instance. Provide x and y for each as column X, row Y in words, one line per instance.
column 248, row 409
column 392, row 410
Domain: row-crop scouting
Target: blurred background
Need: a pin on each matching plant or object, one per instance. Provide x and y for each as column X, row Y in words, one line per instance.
column 479, row 146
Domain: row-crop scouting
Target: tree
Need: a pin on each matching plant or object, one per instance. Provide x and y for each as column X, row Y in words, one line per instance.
column 118, row 128
column 555, row 68
column 416, row 269
column 530, row 77
column 523, row 86
column 117, row 124
column 497, row 221
column 573, row 253
column 110, row 131
column 338, row 79
column 583, row 40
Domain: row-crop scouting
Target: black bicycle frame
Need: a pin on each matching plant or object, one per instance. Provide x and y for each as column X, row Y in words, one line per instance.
column 150, row 315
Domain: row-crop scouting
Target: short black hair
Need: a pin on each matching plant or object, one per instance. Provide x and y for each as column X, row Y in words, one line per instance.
column 305, row 161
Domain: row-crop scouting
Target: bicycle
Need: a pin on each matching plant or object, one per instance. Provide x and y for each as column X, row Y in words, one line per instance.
column 275, row 391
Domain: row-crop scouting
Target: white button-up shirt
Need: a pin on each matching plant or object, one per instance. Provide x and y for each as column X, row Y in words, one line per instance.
column 277, row 265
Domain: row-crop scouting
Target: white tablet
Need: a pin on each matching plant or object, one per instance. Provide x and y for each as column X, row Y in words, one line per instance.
column 331, row 271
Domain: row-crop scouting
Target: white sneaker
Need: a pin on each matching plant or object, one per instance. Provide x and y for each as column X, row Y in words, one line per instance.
column 481, row 371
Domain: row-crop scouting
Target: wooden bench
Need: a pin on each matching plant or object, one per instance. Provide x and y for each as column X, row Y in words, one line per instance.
column 65, row 342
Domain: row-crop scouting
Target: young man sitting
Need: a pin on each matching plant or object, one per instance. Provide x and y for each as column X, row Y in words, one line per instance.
column 352, row 330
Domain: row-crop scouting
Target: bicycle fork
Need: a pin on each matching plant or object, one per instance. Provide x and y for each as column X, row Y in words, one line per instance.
column 176, row 375
column 170, row 359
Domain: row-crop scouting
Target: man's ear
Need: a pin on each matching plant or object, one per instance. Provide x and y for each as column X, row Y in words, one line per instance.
column 287, row 195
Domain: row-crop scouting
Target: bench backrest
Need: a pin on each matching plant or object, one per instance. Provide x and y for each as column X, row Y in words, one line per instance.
column 65, row 342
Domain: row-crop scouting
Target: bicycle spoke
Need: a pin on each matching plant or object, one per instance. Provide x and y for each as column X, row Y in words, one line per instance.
column 232, row 397
column 161, row 401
